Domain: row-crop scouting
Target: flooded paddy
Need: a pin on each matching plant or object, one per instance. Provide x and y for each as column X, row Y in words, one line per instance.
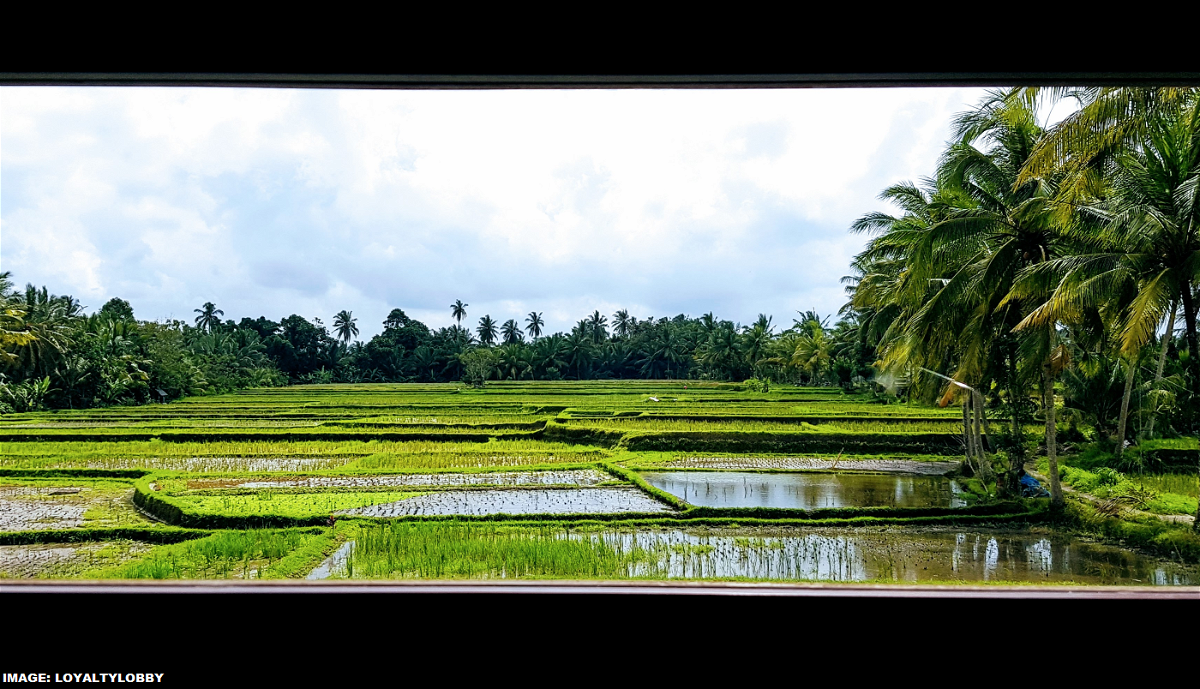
column 807, row 490
column 32, row 515
column 519, row 501
column 42, row 506
column 581, row 477
column 895, row 554
column 902, row 556
column 64, row 559
column 902, row 466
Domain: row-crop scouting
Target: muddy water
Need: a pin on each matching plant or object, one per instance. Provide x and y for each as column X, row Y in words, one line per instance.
column 901, row 555
column 807, row 490
column 334, row 564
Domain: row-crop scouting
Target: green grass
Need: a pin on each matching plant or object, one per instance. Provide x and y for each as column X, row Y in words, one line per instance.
column 1149, row 492
column 224, row 555
column 1182, row 484
column 227, row 456
column 449, row 550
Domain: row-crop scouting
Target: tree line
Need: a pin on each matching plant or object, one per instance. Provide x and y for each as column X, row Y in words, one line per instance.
column 56, row 356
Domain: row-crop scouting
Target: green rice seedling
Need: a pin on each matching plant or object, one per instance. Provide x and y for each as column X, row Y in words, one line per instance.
column 439, row 550
column 271, row 456
column 225, row 554
column 1181, row 484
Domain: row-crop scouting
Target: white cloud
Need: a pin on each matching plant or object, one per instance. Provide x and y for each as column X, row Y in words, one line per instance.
column 270, row 202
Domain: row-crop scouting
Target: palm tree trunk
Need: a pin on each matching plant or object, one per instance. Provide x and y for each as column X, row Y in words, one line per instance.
column 1056, row 495
column 985, row 466
column 976, row 450
column 987, row 427
column 1162, row 357
column 1125, row 404
column 1017, row 448
column 968, row 440
column 1189, row 320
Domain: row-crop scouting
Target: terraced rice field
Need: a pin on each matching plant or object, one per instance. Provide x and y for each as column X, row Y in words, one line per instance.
column 595, row 479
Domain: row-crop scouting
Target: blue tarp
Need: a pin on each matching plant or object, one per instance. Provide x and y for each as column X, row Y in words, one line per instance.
column 1030, row 488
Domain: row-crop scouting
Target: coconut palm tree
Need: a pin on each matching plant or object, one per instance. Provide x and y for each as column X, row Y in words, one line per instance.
column 550, row 353
column 755, row 343
column 597, row 324
column 514, row 361
column 621, row 323
column 458, row 310
column 813, row 352
column 208, row 316
column 48, row 331
column 947, row 268
column 1109, row 121
column 344, row 325
column 1141, row 266
column 486, row 330
column 535, row 324
column 511, row 331
column 720, row 353
column 424, row 359
column 579, row 350
column 666, row 353
column 13, row 334
column 764, row 323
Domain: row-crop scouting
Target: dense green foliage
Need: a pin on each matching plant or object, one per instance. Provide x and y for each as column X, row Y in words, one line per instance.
column 1042, row 260
column 57, row 357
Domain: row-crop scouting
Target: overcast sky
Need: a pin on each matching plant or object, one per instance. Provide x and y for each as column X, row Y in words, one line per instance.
column 279, row 201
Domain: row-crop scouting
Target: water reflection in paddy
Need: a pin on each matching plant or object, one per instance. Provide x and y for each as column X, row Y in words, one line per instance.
column 898, row 555
column 807, row 490
column 834, row 554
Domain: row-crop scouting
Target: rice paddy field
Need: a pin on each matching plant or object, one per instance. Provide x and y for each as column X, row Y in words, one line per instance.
column 674, row 480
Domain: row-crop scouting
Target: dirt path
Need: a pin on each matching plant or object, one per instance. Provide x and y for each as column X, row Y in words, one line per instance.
column 1176, row 518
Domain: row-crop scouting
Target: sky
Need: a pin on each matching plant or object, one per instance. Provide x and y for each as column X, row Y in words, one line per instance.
column 272, row 202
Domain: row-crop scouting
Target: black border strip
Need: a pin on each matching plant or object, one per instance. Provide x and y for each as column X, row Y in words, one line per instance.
column 602, row 588
column 369, row 80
